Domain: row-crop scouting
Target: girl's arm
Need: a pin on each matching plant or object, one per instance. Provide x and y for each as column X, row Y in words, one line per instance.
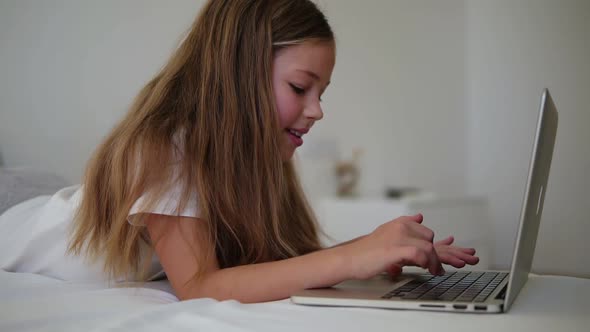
column 273, row 280
column 182, row 241
column 348, row 242
column 179, row 257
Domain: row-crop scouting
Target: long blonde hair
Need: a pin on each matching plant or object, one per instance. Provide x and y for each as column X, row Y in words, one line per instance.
column 216, row 93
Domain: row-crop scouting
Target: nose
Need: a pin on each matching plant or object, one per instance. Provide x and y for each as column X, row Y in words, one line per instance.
column 314, row 111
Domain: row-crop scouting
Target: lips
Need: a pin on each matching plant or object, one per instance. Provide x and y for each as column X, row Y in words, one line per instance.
column 303, row 131
column 296, row 134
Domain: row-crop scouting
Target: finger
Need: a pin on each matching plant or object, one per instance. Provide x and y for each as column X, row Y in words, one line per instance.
column 442, row 244
column 447, row 241
column 419, row 218
column 469, row 251
column 394, row 270
column 414, row 256
column 436, row 267
column 422, row 232
column 449, row 259
column 467, row 258
column 434, row 264
column 444, row 248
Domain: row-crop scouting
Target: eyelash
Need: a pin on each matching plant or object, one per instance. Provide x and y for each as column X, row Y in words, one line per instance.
column 299, row 91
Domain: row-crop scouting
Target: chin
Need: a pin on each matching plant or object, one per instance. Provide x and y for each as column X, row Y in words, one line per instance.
column 287, row 155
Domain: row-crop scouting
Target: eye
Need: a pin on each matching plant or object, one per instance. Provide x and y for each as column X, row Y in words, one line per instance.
column 298, row 90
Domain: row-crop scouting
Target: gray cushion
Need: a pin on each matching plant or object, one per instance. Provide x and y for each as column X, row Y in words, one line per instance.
column 20, row 184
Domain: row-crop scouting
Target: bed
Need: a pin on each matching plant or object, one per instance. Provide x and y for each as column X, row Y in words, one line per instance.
column 36, row 303
column 30, row 302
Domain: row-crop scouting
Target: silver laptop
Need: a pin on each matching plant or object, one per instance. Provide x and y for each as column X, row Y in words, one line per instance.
column 461, row 291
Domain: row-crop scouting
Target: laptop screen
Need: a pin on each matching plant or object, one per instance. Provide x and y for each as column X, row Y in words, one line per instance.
column 532, row 205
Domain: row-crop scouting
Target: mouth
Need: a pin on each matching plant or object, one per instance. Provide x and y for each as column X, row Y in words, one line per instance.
column 295, row 135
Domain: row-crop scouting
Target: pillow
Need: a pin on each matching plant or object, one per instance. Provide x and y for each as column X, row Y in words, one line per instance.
column 20, row 184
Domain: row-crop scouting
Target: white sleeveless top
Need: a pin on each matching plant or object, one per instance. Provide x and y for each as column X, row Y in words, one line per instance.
column 34, row 235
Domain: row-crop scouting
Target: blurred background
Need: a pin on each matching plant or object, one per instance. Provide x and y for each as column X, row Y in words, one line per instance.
column 437, row 95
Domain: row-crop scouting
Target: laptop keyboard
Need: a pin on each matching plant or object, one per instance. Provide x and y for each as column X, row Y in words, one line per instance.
column 455, row 286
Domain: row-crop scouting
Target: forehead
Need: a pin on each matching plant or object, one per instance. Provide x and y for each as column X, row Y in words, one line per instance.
column 317, row 57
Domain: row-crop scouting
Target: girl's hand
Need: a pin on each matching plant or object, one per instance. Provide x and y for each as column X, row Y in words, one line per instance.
column 400, row 242
column 448, row 254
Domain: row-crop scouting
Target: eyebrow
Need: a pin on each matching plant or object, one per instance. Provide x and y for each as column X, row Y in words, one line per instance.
column 312, row 74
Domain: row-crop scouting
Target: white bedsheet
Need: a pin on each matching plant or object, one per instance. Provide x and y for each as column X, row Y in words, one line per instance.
column 31, row 302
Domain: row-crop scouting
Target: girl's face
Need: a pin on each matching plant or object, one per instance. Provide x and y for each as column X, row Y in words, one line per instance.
column 301, row 74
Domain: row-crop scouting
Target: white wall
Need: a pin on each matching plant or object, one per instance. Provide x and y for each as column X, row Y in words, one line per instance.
column 397, row 93
column 514, row 49
column 69, row 69
column 439, row 94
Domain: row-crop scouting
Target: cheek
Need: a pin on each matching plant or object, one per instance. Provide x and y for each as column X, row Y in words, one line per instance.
column 288, row 107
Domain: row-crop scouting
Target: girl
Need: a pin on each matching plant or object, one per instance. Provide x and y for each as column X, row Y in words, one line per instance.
column 196, row 181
